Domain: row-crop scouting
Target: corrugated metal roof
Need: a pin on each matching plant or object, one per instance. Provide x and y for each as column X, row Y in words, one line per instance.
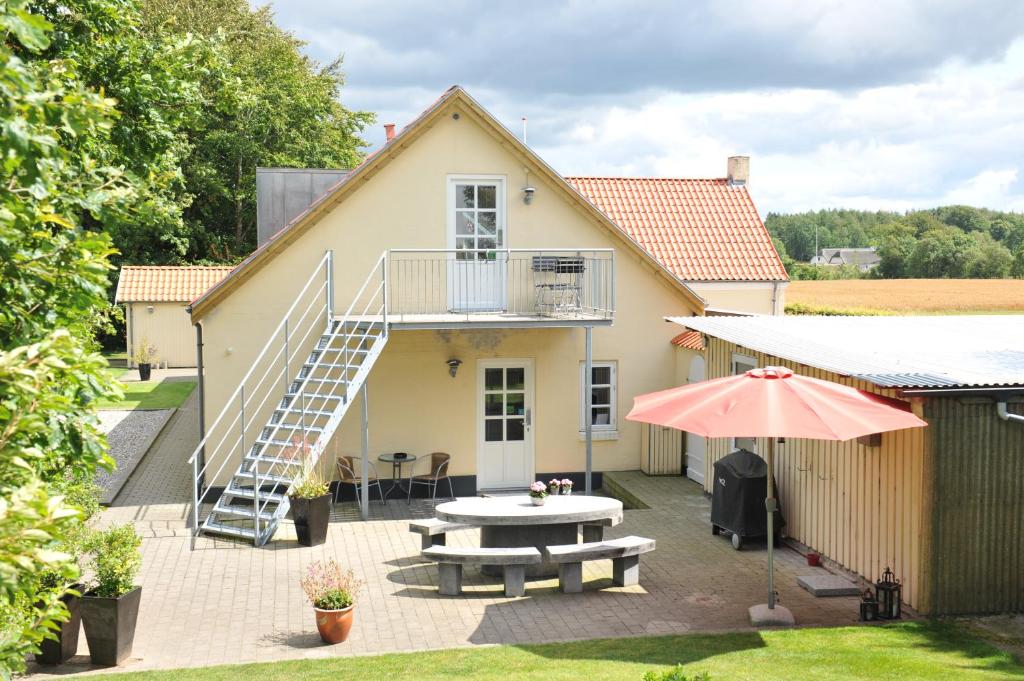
column 896, row 352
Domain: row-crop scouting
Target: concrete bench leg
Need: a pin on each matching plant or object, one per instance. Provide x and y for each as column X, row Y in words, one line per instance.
column 426, row 541
column 570, row 577
column 515, row 580
column 626, row 571
column 592, row 533
column 450, row 579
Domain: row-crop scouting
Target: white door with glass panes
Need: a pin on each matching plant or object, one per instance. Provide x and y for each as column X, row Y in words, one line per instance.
column 504, row 427
column 476, row 232
column 741, row 364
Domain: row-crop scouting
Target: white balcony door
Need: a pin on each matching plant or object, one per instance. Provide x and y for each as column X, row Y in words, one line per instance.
column 504, row 426
column 696, row 445
column 476, row 232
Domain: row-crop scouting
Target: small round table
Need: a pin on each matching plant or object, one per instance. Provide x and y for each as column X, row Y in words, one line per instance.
column 514, row 521
column 396, row 470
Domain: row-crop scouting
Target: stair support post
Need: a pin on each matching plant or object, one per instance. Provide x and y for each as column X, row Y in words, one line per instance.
column 364, row 501
column 329, row 274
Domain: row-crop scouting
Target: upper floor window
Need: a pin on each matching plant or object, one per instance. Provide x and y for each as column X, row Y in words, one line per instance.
column 478, row 216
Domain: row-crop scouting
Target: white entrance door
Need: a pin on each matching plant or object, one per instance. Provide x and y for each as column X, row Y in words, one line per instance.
column 695, row 444
column 504, row 428
column 476, row 231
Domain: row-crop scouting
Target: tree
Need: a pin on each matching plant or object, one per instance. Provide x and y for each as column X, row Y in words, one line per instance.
column 940, row 253
column 53, row 284
column 987, row 258
column 273, row 107
column 895, row 243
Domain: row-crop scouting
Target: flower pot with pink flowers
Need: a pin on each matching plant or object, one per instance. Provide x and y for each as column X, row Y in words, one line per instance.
column 538, row 493
column 554, row 487
column 566, row 487
column 331, row 591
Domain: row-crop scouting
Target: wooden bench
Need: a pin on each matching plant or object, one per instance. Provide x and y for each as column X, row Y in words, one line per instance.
column 451, row 559
column 624, row 552
column 432, row 531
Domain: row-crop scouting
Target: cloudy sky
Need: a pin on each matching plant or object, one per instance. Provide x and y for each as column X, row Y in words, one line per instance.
column 876, row 105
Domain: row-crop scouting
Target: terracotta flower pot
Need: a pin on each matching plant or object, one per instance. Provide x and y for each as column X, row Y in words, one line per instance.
column 311, row 517
column 64, row 648
column 334, row 625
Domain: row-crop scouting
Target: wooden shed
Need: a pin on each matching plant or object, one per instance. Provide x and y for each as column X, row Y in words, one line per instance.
column 942, row 506
column 155, row 301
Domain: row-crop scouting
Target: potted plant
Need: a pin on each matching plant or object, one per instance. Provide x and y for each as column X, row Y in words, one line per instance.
column 310, row 505
column 111, row 608
column 145, row 357
column 538, row 493
column 553, row 486
column 566, row 486
column 331, row 591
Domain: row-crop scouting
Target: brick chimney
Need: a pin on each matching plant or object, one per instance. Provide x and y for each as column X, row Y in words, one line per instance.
column 389, row 132
column 738, row 171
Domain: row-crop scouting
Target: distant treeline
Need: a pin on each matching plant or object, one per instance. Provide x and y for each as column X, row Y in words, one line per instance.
column 951, row 242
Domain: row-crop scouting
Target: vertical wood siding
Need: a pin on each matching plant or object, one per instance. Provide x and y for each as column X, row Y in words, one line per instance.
column 977, row 527
column 860, row 506
column 661, row 450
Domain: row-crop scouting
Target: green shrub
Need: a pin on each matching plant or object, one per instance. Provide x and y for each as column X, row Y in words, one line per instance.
column 116, row 560
column 334, row 599
column 676, row 674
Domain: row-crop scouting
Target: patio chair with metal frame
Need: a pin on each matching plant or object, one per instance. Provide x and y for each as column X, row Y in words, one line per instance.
column 438, row 471
column 350, row 472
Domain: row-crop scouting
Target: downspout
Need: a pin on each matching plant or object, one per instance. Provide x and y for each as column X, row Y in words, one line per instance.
column 201, row 387
column 1006, row 415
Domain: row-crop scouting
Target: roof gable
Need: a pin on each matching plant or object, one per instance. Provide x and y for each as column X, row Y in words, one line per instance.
column 701, row 230
column 376, row 160
column 152, row 284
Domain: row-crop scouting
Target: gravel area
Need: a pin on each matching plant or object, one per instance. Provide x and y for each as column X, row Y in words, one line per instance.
column 129, row 434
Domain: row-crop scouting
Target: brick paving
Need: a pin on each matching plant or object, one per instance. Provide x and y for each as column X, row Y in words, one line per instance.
column 227, row 602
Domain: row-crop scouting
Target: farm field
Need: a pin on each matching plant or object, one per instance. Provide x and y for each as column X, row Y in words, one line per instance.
column 906, row 296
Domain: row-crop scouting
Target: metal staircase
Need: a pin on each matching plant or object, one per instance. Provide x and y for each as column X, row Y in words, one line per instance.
column 289, row 405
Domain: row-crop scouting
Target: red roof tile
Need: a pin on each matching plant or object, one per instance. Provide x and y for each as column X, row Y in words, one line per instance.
column 701, row 230
column 151, row 284
column 689, row 339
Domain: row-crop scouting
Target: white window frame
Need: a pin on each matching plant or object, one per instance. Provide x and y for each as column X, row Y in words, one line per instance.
column 501, row 225
column 746, row 360
column 610, row 429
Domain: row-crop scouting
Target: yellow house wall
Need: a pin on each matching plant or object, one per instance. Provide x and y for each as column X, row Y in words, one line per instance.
column 168, row 327
column 404, row 205
column 860, row 506
column 750, row 297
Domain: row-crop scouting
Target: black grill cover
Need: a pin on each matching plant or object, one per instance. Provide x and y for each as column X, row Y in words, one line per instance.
column 738, row 493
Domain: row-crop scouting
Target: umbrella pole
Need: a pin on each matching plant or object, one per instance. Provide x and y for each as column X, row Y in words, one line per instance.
column 770, row 504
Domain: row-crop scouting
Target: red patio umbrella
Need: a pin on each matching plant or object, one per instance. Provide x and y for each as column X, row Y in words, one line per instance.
column 775, row 403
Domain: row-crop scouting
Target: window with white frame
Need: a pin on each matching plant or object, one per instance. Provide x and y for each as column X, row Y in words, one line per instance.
column 741, row 364
column 603, row 392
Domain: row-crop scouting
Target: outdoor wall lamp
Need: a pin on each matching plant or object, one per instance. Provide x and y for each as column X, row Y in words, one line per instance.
column 453, row 366
column 528, row 192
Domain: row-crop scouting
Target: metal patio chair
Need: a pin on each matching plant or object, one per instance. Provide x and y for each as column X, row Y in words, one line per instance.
column 350, row 472
column 438, row 471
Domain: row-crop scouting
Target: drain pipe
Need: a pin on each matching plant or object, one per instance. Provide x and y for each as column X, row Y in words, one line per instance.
column 201, row 387
column 1006, row 415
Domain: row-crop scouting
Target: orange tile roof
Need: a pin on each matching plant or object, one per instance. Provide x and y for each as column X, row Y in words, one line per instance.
column 689, row 339
column 701, row 230
column 151, row 284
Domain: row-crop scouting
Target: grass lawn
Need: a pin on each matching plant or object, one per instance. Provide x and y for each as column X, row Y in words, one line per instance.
column 166, row 394
column 910, row 296
column 912, row 650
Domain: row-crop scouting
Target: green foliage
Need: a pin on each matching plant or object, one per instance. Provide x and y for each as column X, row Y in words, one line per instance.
column 53, row 281
column 676, row 674
column 327, row 586
column 116, row 560
column 333, row 599
column 946, row 242
column 311, row 483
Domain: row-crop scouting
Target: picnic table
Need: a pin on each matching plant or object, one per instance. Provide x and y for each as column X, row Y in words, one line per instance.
column 513, row 521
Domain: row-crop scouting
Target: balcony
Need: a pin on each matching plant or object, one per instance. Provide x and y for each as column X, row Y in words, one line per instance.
column 441, row 288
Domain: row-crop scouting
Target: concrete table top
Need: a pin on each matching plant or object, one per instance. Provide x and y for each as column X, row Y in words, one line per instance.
column 519, row 511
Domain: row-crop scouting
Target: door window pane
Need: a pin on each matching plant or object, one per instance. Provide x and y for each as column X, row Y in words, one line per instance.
column 516, row 378
column 464, row 223
column 464, row 194
column 493, row 379
column 487, row 223
column 487, row 195
column 515, row 404
column 492, row 404
column 492, row 430
column 514, row 430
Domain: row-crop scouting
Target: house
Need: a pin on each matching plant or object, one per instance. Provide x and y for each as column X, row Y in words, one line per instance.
column 155, row 301
column 865, row 259
column 942, row 505
column 453, row 289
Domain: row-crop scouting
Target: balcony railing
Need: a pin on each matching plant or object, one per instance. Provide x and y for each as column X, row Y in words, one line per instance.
column 570, row 284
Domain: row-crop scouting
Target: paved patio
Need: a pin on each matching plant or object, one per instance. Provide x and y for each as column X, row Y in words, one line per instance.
column 227, row 602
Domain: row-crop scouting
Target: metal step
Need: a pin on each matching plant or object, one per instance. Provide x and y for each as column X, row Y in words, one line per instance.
column 239, row 531
column 268, row 479
column 290, row 396
column 247, row 493
column 277, row 426
column 240, row 512
column 316, row 413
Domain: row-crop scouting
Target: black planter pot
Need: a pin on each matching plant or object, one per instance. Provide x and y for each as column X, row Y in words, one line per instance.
column 144, row 371
column 110, row 626
column 311, row 517
column 64, row 648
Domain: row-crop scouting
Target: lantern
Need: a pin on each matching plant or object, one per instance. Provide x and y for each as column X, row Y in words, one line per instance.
column 889, row 594
column 868, row 606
